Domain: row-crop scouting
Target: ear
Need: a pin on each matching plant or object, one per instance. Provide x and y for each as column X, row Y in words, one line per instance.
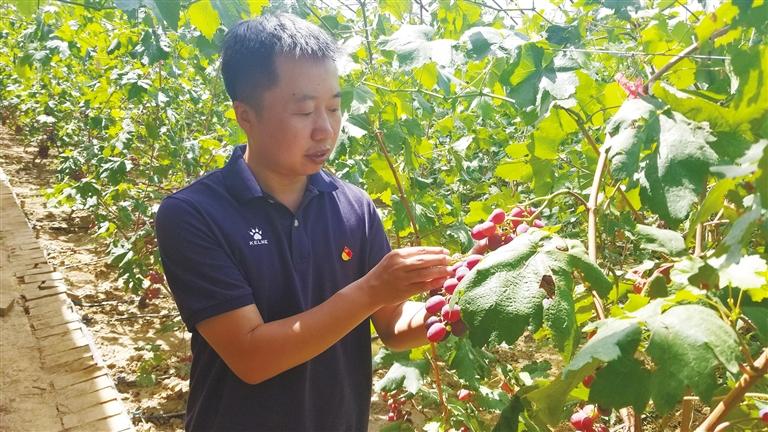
column 245, row 116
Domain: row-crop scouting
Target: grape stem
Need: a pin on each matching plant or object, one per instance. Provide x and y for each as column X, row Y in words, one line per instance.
column 438, row 384
column 736, row 394
column 549, row 198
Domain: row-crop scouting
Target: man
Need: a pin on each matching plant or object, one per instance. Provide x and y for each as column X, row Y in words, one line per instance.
column 277, row 266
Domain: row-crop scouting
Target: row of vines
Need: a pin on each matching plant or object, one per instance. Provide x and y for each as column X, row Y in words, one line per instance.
column 625, row 143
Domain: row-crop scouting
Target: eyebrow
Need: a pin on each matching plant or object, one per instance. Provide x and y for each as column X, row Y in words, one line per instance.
column 305, row 97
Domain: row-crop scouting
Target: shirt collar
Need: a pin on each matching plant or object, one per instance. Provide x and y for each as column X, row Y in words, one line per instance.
column 243, row 186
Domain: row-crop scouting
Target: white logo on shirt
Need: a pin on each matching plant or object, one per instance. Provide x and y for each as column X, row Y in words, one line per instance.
column 255, row 233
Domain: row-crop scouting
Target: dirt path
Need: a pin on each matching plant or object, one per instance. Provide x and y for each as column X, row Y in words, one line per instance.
column 128, row 337
column 26, row 404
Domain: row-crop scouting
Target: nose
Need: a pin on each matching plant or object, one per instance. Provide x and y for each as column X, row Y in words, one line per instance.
column 322, row 129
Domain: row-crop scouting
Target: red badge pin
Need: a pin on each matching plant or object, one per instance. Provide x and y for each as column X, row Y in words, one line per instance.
column 346, row 254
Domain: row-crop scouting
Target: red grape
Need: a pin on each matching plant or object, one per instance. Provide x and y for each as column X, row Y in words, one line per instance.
column 436, row 332
column 464, row 395
column 461, row 272
column 450, row 284
column 451, row 314
column 472, row 261
column 434, row 304
column 497, row 217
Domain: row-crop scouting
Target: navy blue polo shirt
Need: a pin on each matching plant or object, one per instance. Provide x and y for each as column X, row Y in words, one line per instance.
column 224, row 244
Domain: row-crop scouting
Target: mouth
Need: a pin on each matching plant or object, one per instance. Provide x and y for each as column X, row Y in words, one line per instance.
column 319, row 156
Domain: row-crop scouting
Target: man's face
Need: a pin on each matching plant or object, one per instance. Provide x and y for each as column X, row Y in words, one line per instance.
column 295, row 129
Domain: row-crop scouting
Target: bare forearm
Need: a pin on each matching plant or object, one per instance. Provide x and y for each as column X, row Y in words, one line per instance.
column 408, row 327
column 277, row 346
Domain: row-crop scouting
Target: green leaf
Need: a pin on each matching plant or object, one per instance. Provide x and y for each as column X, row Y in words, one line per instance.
column 694, row 271
column 514, row 170
column 523, row 77
column 687, row 344
column 386, row 358
column 166, row 12
column 563, row 35
column 747, row 274
column 697, row 108
column 255, row 7
column 716, row 20
column 750, row 101
column 661, row 240
column 757, row 312
column 481, row 40
column 398, row 8
column 124, row 5
column 468, row 362
column 407, row 375
column 713, row 201
column 622, row 383
column 510, row 416
column 746, row 164
column 736, row 237
column 357, row 100
column 230, row 11
column 510, row 289
column 676, row 172
column 411, row 43
column 615, row 339
column 550, row 133
column 632, row 129
column 27, row 7
column 204, row 17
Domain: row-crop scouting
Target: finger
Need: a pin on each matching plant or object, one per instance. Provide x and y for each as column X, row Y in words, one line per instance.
column 423, row 250
column 422, row 261
column 428, row 285
column 429, row 273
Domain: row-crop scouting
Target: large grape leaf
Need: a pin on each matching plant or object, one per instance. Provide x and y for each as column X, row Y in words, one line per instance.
column 687, row 344
column 675, row 174
column 634, row 127
column 669, row 153
column 528, row 282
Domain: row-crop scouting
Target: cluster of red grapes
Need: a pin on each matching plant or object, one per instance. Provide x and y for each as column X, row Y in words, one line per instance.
column 585, row 420
column 498, row 230
column 501, row 228
column 444, row 317
column 395, row 404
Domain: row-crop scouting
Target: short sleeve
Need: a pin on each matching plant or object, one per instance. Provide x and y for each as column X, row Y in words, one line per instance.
column 378, row 243
column 201, row 274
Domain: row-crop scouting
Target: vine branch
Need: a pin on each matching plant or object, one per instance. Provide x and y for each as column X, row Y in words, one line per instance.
column 592, row 225
column 734, row 397
column 583, row 129
column 679, row 57
column 400, row 190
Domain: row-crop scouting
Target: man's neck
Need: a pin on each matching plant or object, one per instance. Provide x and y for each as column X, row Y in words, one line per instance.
column 287, row 190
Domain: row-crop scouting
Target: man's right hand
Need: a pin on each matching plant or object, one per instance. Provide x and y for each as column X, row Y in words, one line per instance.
column 405, row 272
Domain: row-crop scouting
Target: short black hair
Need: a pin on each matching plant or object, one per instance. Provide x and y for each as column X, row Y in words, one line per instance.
column 251, row 46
